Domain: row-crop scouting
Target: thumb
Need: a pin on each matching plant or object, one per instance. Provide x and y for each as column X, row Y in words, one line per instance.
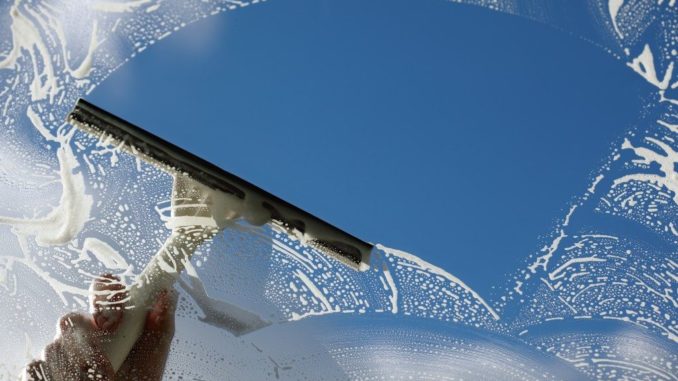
column 108, row 297
column 150, row 353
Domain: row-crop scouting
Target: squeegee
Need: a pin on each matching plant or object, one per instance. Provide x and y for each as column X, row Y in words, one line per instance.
column 205, row 200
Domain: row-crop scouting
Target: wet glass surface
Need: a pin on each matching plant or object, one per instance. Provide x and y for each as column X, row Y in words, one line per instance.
column 99, row 245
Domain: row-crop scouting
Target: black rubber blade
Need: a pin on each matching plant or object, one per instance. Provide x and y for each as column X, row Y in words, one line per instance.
column 325, row 237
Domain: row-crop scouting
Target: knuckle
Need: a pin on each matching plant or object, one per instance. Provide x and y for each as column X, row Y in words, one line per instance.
column 106, row 282
column 54, row 356
column 70, row 321
column 74, row 324
column 52, row 349
column 34, row 371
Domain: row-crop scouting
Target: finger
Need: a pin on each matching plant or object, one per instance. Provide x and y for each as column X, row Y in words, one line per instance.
column 108, row 296
column 59, row 362
column 161, row 316
column 73, row 355
column 62, row 355
column 149, row 355
column 54, row 354
column 56, row 362
column 81, row 357
column 35, row 371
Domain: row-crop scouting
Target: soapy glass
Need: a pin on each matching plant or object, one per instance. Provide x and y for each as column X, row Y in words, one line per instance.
column 77, row 354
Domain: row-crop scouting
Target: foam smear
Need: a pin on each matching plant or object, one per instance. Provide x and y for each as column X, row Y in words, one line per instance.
column 67, row 219
column 305, row 283
column 598, row 299
column 601, row 294
column 76, row 223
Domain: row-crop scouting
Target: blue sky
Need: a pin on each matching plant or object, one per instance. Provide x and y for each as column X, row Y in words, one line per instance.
column 448, row 131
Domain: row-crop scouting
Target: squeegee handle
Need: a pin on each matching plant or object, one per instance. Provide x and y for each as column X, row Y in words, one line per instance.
column 118, row 346
column 160, row 274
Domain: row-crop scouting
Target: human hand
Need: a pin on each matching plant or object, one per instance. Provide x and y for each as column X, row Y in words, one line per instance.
column 76, row 354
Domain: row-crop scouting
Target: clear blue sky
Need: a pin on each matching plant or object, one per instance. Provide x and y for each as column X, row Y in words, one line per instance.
column 449, row 131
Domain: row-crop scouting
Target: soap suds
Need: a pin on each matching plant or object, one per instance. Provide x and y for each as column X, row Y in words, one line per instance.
column 68, row 218
column 91, row 206
column 614, row 6
column 102, row 252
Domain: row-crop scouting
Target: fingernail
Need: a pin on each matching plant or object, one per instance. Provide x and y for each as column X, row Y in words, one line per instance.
column 107, row 296
column 65, row 324
column 108, row 318
column 161, row 310
column 69, row 322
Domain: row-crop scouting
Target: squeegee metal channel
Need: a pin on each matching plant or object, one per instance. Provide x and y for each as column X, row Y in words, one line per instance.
column 90, row 117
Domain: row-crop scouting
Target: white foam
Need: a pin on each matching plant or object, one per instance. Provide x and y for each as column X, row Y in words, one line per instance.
column 613, row 7
column 104, row 253
column 438, row 271
column 558, row 272
column 393, row 288
column 644, row 65
column 85, row 67
column 592, row 188
column 666, row 162
column 319, row 295
column 543, row 261
column 669, row 126
column 68, row 218
column 32, row 29
column 26, row 36
column 118, row 7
